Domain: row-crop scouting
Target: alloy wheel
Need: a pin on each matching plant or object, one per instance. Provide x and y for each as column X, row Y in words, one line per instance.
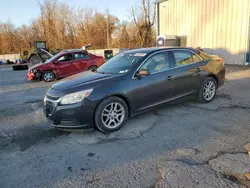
column 113, row 115
column 209, row 90
column 48, row 76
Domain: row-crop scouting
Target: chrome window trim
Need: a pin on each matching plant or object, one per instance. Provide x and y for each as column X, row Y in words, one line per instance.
column 167, row 50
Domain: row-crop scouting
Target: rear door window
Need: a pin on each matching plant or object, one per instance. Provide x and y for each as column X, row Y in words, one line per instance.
column 185, row 57
column 79, row 56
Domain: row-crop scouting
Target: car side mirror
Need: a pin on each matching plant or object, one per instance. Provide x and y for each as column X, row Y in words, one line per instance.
column 142, row 72
column 57, row 62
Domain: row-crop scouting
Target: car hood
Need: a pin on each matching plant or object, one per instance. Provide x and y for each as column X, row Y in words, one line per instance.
column 81, row 79
column 35, row 66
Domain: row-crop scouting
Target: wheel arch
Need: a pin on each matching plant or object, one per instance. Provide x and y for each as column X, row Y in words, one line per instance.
column 125, row 99
column 214, row 77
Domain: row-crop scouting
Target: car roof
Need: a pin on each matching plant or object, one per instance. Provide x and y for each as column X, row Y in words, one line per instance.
column 154, row 49
column 73, row 50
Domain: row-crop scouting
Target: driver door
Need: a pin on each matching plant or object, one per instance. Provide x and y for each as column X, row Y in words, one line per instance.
column 63, row 67
column 154, row 88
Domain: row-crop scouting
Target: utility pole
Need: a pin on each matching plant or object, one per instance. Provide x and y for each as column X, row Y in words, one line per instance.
column 108, row 28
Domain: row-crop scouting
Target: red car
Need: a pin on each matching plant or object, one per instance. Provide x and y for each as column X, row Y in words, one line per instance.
column 64, row 64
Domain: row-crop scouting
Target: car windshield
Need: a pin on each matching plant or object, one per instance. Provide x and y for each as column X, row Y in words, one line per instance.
column 121, row 63
column 53, row 58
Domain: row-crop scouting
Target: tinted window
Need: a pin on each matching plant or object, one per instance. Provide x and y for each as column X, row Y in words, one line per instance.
column 157, row 63
column 196, row 58
column 121, row 63
column 81, row 56
column 66, row 57
column 185, row 57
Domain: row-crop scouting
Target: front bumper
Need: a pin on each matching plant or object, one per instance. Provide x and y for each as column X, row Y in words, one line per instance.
column 31, row 76
column 80, row 115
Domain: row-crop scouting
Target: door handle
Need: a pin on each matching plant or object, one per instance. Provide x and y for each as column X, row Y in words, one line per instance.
column 198, row 70
column 169, row 78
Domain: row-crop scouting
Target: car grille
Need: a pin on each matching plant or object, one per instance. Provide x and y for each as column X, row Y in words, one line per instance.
column 49, row 109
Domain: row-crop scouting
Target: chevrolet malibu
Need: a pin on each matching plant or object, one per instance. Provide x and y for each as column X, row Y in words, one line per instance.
column 132, row 82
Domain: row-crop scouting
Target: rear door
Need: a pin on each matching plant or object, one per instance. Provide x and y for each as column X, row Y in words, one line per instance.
column 187, row 72
column 81, row 61
column 63, row 66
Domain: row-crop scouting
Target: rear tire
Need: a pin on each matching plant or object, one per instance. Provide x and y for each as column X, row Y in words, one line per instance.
column 208, row 90
column 111, row 114
column 48, row 76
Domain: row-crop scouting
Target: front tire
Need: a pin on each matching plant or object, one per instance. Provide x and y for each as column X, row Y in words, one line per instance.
column 111, row 114
column 48, row 76
column 208, row 90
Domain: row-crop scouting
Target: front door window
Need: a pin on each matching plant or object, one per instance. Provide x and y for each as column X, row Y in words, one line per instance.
column 157, row 63
column 65, row 58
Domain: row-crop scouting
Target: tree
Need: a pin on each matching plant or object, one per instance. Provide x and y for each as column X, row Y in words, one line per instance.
column 63, row 27
column 8, row 37
column 124, row 39
column 144, row 20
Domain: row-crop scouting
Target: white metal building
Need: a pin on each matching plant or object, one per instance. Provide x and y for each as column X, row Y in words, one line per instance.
column 220, row 27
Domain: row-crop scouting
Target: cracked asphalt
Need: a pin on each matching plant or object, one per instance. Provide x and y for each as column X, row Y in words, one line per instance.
column 183, row 144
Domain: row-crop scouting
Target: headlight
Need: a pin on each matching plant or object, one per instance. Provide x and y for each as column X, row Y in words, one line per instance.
column 44, row 100
column 75, row 97
column 34, row 71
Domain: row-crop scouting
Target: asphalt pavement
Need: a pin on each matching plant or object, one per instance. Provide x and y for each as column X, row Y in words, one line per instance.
column 183, row 144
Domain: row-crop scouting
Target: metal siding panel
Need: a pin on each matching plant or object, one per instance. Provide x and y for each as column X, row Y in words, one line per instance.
column 221, row 25
column 189, row 22
column 203, row 23
column 171, row 7
column 192, row 5
column 206, row 25
column 246, row 43
column 234, row 27
column 176, row 21
column 225, row 22
column 183, row 18
column 193, row 23
column 220, row 33
column 239, row 33
column 229, row 24
column 215, row 23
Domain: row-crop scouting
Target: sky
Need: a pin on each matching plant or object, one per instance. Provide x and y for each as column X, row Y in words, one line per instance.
column 23, row 11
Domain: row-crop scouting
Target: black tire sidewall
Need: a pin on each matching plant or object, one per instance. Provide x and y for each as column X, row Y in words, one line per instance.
column 48, row 72
column 98, row 112
column 201, row 97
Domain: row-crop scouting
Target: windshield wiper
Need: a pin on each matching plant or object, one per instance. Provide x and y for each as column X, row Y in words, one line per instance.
column 106, row 72
column 101, row 72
